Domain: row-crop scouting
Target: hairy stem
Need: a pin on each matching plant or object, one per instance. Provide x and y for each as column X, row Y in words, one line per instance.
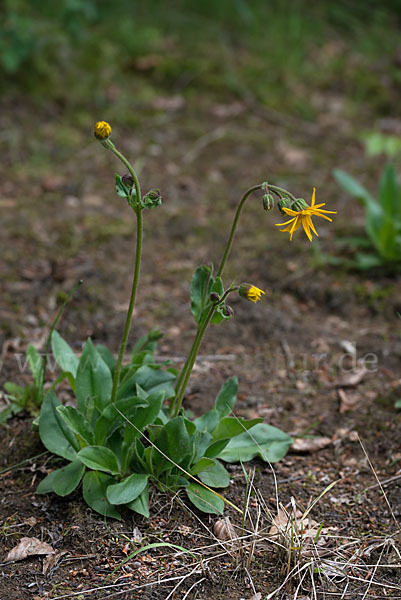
column 137, row 268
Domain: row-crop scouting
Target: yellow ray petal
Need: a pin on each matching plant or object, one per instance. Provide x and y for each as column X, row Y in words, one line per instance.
column 305, row 225
column 313, row 197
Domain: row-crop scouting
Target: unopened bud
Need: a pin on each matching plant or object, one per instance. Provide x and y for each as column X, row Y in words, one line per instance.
column 299, row 204
column 214, row 297
column 128, row 180
column 151, row 199
column 283, row 203
column 268, row 201
column 228, row 311
column 102, row 130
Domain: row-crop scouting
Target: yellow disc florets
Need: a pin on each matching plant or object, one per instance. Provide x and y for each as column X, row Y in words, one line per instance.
column 102, row 130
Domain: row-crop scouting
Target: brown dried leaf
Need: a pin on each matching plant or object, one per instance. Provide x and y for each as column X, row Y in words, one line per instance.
column 29, row 547
column 310, row 444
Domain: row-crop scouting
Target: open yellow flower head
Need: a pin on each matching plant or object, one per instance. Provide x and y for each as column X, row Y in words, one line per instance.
column 102, row 130
column 250, row 292
column 303, row 216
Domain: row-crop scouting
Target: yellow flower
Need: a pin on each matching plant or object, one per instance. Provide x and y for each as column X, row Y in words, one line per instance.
column 102, row 130
column 304, row 218
column 250, row 292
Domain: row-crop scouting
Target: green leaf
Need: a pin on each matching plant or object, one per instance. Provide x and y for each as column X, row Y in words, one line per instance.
column 208, row 421
column 107, row 356
column 94, row 491
column 113, row 415
column 389, row 192
column 126, row 491
column 173, row 440
column 353, row 187
column 67, row 478
column 262, row 440
column 202, row 465
column 201, row 286
column 215, row 448
column 93, row 381
column 204, row 499
column 54, row 432
column 36, row 365
column 77, row 423
column 227, row 397
column 123, row 191
column 155, row 380
column 216, row 476
column 9, row 411
column 46, row 485
column 99, row 458
column 397, row 403
column 231, row 426
column 64, row 354
column 141, row 504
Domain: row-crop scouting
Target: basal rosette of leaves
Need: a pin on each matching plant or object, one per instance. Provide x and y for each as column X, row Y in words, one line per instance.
column 117, row 450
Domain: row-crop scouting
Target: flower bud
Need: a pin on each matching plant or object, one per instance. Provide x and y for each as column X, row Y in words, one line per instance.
column 228, row 311
column 250, row 292
column 214, row 297
column 268, row 201
column 299, row 204
column 152, row 199
column 102, row 130
column 283, row 203
column 128, row 180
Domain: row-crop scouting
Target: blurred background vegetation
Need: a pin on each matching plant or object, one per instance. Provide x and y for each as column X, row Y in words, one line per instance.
column 85, row 53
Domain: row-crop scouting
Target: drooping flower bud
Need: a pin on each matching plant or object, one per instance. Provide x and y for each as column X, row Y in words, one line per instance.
column 250, row 292
column 128, row 180
column 299, row 204
column 214, row 297
column 228, row 311
column 283, row 203
column 268, row 201
column 102, row 130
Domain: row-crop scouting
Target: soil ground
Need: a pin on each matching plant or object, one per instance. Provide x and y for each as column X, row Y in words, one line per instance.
column 293, row 352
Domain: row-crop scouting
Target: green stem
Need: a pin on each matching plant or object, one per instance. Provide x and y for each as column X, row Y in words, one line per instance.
column 186, row 372
column 191, row 359
column 137, row 268
column 234, row 227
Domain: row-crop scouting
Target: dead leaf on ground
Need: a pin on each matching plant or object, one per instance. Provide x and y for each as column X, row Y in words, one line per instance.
column 310, row 444
column 347, row 403
column 29, row 547
column 306, row 533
